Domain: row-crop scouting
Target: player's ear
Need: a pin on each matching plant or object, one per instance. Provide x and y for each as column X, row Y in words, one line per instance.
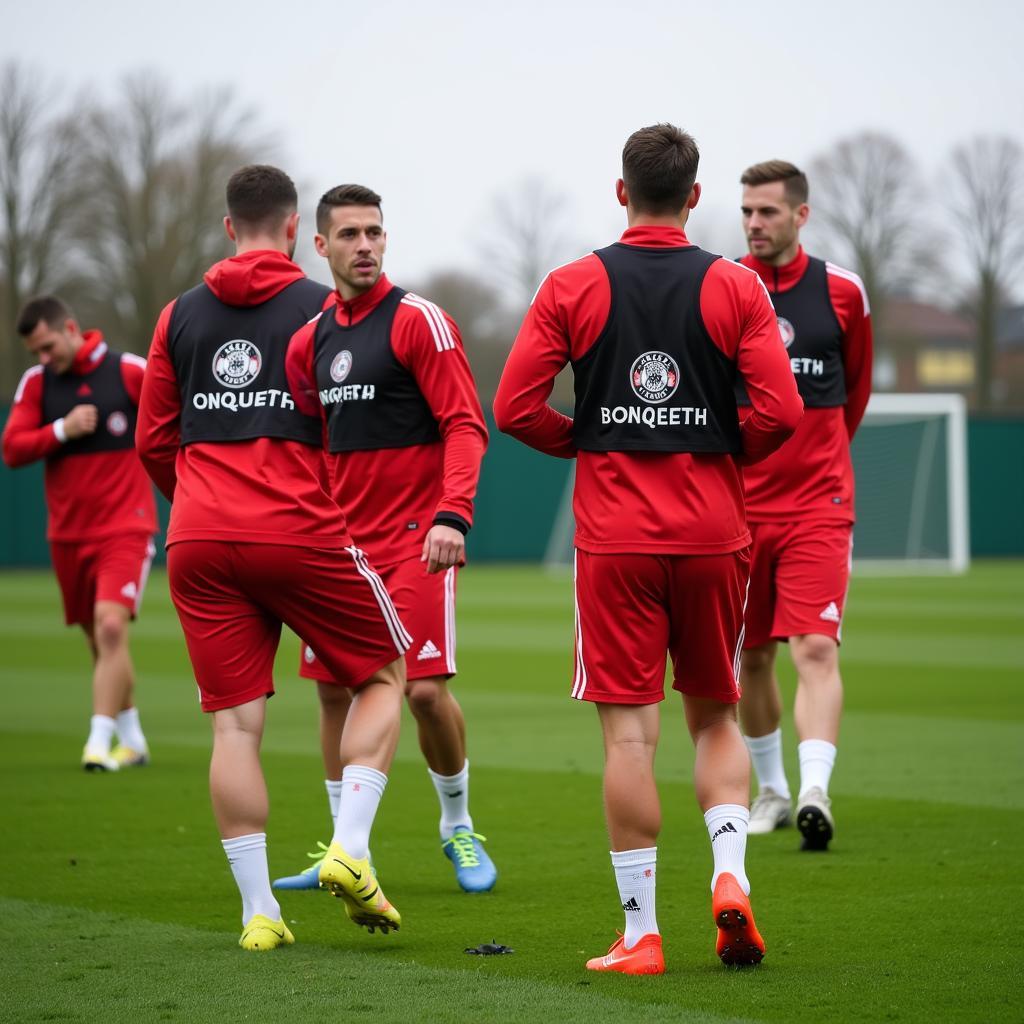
column 694, row 197
column 320, row 244
column 620, row 193
column 291, row 226
column 229, row 229
column 803, row 212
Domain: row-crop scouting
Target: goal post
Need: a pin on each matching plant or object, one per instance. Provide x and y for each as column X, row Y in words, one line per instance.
column 910, row 466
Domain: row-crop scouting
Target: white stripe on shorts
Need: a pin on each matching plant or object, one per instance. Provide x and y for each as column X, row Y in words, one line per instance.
column 399, row 636
column 449, row 619
column 579, row 684
column 144, row 575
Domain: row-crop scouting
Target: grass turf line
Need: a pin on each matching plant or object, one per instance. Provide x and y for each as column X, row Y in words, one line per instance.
column 896, row 924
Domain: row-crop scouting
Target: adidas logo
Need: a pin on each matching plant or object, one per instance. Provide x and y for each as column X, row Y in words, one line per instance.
column 631, row 904
column 428, row 651
column 831, row 613
column 130, row 590
column 727, row 827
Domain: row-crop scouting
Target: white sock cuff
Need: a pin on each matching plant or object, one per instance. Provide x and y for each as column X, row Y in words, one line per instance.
column 821, row 750
column 632, row 858
column 357, row 774
column 128, row 715
column 715, row 814
column 450, row 780
column 103, row 720
column 333, row 786
column 242, row 844
column 762, row 744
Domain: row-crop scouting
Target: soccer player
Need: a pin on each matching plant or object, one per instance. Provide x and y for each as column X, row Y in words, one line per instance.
column 656, row 330
column 800, row 504
column 76, row 410
column 405, row 435
column 255, row 540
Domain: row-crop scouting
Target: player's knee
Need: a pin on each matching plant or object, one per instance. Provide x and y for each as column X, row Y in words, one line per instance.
column 110, row 630
column 815, row 651
column 333, row 696
column 758, row 660
column 425, row 697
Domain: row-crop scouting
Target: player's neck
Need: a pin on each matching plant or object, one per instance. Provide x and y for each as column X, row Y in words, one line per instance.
column 784, row 258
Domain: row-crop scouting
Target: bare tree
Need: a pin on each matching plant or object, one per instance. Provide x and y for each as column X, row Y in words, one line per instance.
column 38, row 160
column 988, row 208
column 528, row 237
column 156, row 169
column 866, row 193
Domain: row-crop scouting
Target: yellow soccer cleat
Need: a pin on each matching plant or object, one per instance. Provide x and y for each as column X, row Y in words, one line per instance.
column 128, row 757
column 98, row 761
column 354, row 882
column 261, row 934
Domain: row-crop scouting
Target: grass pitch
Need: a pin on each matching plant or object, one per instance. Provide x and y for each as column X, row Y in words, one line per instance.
column 118, row 904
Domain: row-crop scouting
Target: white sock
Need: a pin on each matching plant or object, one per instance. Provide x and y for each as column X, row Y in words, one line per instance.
column 247, row 856
column 817, row 759
column 361, row 790
column 635, row 874
column 333, row 787
column 101, row 733
column 129, row 730
column 453, row 794
column 766, row 754
column 727, row 827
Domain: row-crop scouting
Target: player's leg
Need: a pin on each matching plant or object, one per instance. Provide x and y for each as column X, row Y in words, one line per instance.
column 621, row 636
column 232, row 642
column 426, row 604
column 813, row 577
column 761, row 703
column 708, row 595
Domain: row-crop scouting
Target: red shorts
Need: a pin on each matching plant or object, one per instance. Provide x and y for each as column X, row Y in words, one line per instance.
column 111, row 569
column 232, row 598
column 426, row 606
column 631, row 609
column 799, row 573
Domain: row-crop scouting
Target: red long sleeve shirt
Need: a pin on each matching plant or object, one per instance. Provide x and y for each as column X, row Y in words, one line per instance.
column 811, row 476
column 384, row 491
column 650, row 502
column 90, row 495
column 266, row 490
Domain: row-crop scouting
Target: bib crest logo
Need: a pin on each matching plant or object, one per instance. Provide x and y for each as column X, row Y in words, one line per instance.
column 787, row 331
column 117, row 424
column 237, row 363
column 341, row 364
column 654, row 377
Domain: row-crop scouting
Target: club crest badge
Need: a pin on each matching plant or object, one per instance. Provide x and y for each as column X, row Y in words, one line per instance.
column 341, row 364
column 237, row 363
column 654, row 377
column 787, row 331
column 117, row 424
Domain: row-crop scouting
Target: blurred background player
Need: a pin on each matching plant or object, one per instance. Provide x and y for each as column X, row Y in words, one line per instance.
column 77, row 410
column 405, row 435
column 800, row 504
column 656, row 331
column 255, row 540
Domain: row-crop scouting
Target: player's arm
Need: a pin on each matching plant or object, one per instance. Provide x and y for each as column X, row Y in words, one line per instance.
column 26, row 438
column 158, row 430
column 741, row 321
column 426, row 341
column 541, row 350
column 300, row 371
column 851, row 304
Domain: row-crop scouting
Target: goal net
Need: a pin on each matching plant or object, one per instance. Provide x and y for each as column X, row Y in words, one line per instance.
column 910, row 463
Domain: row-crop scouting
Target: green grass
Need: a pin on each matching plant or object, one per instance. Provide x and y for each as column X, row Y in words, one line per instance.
column 118, row 904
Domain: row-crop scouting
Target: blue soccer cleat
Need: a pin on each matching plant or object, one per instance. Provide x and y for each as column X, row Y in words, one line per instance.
column 474, row 870
column 308, row 878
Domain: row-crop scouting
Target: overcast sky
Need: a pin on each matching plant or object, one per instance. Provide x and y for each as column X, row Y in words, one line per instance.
column 440, row 107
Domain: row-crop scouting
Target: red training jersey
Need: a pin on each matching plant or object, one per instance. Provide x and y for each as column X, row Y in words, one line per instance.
column 265, row 490
column 811, row 476
column 392, row 496
column 88, row 495
column 676, row 503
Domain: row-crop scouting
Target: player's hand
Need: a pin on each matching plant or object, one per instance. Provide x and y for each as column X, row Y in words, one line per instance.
column 81, row 421
column 443, row 547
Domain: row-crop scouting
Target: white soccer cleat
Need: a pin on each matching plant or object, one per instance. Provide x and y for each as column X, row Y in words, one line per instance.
column 814, row 819
column 768, row 812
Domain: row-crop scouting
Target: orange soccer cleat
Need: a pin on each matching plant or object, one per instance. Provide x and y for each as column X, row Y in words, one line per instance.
column 645, row 957
column 739, row 942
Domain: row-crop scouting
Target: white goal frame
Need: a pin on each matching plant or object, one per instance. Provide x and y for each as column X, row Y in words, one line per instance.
column 894, row 406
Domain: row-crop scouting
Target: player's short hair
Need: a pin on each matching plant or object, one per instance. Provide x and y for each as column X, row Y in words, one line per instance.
column 46, row 309
column 343, row 195
column 659, row 167
column 260, row 196
column 794, row 181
